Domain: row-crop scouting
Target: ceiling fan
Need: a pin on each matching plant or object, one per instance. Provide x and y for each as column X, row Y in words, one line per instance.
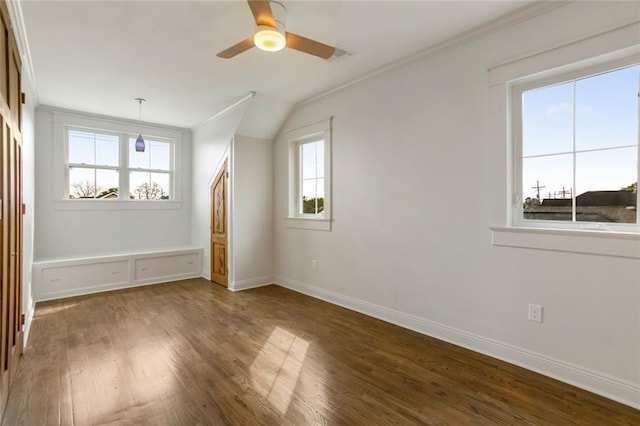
column 272, row 36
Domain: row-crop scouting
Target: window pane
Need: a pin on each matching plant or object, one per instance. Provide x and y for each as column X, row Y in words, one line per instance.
column 138, row 183
column 309, row 160
column 547, row 187
column 138, row 159
column 159, row 189
column 160, row 153
column 309, row 192
column 604, row 182
column 107, row 184
column 107, row 152
column 320, row 159
column 80, row 145
column 82, row 183
column 312, row 196
column 607, row 109
column 149, row 186
column 547, row 120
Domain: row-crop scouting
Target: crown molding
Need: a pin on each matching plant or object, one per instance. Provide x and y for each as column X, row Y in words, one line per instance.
column 517, row 16
column 20, row 32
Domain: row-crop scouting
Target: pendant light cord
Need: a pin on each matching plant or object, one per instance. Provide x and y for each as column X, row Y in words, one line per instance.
column 140, row 101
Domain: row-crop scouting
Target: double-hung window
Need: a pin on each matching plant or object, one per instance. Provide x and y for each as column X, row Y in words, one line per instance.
column 93, row 166
column 576, row 149
column 150, row 171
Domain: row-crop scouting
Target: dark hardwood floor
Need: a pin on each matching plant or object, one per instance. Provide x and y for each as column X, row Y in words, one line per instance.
column 190, row 352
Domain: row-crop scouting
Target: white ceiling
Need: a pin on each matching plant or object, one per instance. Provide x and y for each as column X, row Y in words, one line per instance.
column 97, row 56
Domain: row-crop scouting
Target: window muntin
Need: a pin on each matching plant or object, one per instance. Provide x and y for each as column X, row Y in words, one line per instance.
column 150, row 171
column 93, row 165
column 578, row 156
column 105, row 166
column 311, row 180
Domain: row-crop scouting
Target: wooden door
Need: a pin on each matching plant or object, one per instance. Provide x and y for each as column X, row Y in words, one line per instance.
column 219, row 256
column 11, row 207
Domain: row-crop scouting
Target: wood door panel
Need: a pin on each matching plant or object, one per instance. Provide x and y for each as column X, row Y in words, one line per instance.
column 219, row 259
column 219, row 255
column 11, row 334
column 219, row 221
column 4, row 45
column 14, row 88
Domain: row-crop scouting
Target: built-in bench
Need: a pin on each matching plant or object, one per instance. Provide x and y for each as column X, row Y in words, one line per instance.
column 59, row 278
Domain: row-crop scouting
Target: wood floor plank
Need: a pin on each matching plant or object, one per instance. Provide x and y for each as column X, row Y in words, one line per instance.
column 189, row 353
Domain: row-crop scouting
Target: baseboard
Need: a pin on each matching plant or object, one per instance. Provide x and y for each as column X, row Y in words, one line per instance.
column 206, row 274
column 602, row 384
column 28, row 320
column 251, row 283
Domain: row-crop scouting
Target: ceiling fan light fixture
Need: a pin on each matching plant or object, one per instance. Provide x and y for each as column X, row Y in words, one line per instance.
column 269, row 39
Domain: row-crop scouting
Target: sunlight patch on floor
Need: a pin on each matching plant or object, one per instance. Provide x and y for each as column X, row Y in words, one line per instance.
column 46, row 310
column 275, row 371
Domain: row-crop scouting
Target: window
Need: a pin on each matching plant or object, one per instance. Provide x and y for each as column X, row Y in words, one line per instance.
column 104, row 165
column 311, row 184
column 150, row 171
column 93, row 165
column 310, row 177
column 576, row 149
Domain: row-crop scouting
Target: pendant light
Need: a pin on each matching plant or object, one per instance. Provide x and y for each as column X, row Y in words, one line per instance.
column 140, row 140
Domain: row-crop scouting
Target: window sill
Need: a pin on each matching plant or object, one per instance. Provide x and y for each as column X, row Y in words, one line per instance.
column 617, row 244
column 308, row 223
column 117, row 205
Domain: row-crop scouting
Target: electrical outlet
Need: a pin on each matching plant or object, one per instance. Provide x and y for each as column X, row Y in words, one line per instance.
column 314, row 265
column 535, row 313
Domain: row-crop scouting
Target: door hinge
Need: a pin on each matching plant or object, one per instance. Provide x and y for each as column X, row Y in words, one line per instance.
column 227, row 175
column 24, row 208
column 23, row 98
column 22, row 319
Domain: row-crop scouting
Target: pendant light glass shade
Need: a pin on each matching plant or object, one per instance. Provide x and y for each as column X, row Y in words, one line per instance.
column 140, row 144
column 140, row 140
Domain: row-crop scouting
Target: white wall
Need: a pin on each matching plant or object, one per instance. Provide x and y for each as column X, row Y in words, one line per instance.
column 211, row 145
column 252, row 182
column 411, row 241
column 65, row 233
column 28, row 196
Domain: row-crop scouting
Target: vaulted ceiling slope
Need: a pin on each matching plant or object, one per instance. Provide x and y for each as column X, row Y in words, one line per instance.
column 97, row 56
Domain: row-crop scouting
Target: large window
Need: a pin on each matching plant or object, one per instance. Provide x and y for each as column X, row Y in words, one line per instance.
column 102, row 165
column 310, row 176
column 577, row 149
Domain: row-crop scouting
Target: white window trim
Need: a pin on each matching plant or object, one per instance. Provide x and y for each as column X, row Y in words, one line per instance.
column 614, row 45
column 62, row 120
column 295, row 137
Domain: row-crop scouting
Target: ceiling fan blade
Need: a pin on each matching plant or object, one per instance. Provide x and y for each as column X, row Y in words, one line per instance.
column 262, row 12
column 309, row 46
column 236, row 49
